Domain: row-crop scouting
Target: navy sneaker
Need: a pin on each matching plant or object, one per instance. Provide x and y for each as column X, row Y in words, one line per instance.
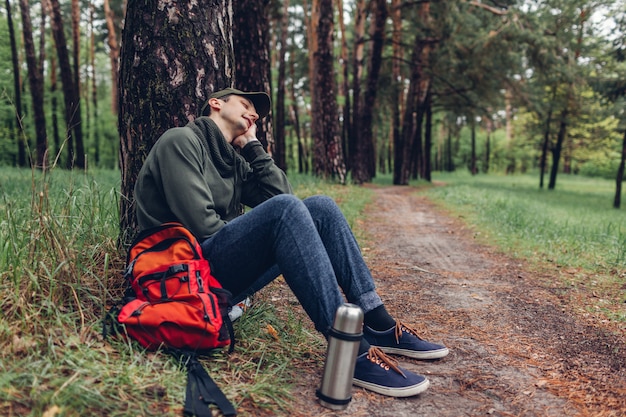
column 402, row 340
column 379, row 373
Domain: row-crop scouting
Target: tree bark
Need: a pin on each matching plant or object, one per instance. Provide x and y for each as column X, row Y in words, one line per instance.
column 252, row 56
column 396, row 83
column 35, row 81
column 94, row 84
column 17, row 89
column 280, row 118
column 70, row 92
column 114, row 53
column 303, row 153
column 344, row 90
column 620, row 175
column 556, row 151
column 428, row 137
column 364, row 162
column 328, row 155
column 172, row 59
column 473, row 167
column 408, row 150
column 546, row 141
column 354, row 132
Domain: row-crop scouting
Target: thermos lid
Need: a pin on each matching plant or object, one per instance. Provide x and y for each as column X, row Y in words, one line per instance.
column 349, row 319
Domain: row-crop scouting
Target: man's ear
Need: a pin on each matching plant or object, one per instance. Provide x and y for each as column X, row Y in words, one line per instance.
column 215, row 104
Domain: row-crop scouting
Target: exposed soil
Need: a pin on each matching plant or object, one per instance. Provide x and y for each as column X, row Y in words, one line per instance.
column 517, row 345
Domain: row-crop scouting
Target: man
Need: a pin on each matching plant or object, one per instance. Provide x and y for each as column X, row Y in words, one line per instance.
column 194, row 175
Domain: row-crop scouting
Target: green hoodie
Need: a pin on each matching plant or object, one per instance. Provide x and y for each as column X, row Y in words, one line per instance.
column 194, row 176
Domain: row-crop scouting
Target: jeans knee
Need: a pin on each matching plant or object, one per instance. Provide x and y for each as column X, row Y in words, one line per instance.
column 320, row 202
column 286, row 205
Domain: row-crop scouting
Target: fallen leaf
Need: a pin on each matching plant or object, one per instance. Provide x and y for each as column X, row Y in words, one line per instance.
column 272, row 332
column 52, row 411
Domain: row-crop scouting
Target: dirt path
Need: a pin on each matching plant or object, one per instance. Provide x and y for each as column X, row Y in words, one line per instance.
column 515, row 348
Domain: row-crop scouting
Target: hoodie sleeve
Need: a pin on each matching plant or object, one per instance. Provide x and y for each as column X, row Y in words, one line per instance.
column 266, row 180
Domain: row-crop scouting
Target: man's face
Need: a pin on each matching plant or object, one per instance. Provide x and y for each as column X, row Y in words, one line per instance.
column 239, row 112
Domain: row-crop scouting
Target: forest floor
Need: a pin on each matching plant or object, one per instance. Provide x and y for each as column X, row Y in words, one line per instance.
column 520, row 343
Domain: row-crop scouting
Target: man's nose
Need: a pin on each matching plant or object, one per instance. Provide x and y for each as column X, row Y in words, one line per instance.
column 254, row 115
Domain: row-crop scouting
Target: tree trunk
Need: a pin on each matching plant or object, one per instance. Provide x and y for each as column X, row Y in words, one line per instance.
column 397, row 89
column 417, row 150
column 556, row 151
column 489, row 129
column 165, row 79
column 354, row 136
column 344, row 91
column 364, row 163
column 35, row 81
column 76, row 44
column 54, row 106
column 546, row 141
column 94, row 84
column 428, row 137
column 409, row 153
column 325, row 124
column 252, row 56
column 114, row 53
column 402, row 160
column 303, row 154
column 620, row 175
column 70, row 92
column 17, row 89
column 473, row 168
column 279, row 118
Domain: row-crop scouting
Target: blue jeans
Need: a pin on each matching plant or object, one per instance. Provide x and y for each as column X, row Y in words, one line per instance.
column 308, row 241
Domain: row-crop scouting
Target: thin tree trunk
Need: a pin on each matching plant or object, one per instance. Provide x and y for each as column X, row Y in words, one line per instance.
column 17, row 89
column 311, row 21
column 428, row 135
column 325, row 126
column 473, row 167
column 415, row 98
column 70, row 92
column 489, row 129
column 36, row 87
column 252, row 56
column 354, row 138
column 303, row 154
column 279, row 119
column 94, row 84
column 546, row 141
column 556, row 151
column 114, row 54
column 396, row 83
column 620, row 175
column 54, row 106
column 364, row 165
column 344, row 91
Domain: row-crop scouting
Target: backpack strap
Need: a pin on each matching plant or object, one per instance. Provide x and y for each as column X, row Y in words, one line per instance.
column 202, row 391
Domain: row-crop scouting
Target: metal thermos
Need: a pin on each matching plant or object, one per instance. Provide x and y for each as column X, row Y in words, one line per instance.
column 335, row 391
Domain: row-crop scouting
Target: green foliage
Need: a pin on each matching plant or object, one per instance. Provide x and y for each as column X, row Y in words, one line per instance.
column 60, row 271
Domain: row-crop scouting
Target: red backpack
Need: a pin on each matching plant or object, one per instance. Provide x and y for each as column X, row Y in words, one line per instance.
column 176, row 304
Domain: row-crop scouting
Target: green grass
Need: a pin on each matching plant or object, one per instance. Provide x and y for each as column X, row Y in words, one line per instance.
column 59, row 269
column 573, row 228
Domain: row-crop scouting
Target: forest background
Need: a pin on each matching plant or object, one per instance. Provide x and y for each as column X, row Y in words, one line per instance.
column 359, row 87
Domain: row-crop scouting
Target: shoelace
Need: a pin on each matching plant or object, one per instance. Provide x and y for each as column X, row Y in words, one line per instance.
column 378, row 357
column 400, row 327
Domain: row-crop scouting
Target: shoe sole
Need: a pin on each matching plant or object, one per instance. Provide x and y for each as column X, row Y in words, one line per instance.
column 431, row 354
column 391, row 391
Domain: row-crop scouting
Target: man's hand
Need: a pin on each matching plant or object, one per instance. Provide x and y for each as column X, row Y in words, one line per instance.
column 249, row 136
